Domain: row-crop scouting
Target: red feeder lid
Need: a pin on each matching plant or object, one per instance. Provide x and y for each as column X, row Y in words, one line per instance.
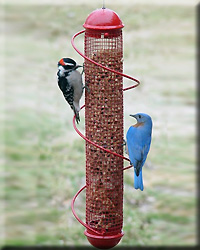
column 103, row 19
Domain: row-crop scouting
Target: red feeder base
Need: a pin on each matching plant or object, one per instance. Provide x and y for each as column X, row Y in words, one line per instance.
column 103, row 242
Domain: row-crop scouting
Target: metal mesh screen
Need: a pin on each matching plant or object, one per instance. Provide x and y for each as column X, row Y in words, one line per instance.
column 104, row 126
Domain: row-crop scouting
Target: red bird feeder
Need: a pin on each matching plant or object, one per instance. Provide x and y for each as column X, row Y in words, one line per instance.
column 104, row 128
column 104, row 125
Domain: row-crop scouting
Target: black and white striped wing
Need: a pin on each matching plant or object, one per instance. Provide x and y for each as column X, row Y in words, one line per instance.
column 69, row 95
column 67, row 90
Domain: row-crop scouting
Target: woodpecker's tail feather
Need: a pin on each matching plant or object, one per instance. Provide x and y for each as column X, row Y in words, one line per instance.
column 76, row 113
column 138, row 181
column 77, row 117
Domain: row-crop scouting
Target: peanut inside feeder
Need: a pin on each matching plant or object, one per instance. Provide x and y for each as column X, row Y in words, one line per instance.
column 104, row 125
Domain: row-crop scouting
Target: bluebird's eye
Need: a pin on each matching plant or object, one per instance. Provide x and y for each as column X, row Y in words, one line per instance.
column 139, row 116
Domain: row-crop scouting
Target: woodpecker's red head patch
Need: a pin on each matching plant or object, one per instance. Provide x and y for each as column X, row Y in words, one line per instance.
column 67, row 63
column 62, row 62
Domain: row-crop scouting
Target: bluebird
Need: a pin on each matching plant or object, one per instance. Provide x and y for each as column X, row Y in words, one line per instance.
column 138, row 144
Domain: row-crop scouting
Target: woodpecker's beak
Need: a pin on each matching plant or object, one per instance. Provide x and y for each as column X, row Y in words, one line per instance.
column 77, row 66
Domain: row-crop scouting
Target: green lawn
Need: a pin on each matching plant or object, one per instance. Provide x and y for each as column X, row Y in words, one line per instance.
column 44, row 162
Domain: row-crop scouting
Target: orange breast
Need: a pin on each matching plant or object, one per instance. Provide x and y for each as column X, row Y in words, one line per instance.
column 139, row 124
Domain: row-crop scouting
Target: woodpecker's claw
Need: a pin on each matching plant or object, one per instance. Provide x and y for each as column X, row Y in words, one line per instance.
column 83, row 69
column 87, row 88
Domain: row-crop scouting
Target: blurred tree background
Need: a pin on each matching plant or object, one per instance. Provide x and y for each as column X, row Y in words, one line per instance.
column 42, row 157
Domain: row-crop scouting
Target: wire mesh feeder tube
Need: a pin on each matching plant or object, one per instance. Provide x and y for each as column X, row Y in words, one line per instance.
column 100, row 25
column 104, row 126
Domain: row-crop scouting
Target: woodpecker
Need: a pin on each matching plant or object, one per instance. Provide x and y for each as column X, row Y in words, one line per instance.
column 70, row 83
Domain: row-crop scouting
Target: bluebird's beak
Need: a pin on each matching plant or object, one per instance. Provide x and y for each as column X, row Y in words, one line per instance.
column 133, row 116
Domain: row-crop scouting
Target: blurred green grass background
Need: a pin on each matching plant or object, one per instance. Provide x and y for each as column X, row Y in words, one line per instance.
column 43, row 159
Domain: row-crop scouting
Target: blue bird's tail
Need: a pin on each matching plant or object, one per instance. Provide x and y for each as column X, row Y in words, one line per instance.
column 138, row 181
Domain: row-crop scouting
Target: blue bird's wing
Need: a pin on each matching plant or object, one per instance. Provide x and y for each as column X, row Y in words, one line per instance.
column 138, row 143
column 146, row 146
column 134, row 146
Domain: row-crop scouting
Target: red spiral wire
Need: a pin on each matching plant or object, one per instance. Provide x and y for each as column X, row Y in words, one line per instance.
column 104, row 67
column 91, row 142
